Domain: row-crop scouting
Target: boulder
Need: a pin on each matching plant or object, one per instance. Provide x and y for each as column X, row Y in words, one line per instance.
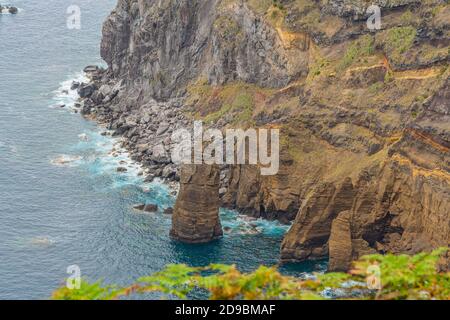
column 97, row 97
column 75, row 85
column 159, row 154
column 155, row 109
column 168, row 172
column 86, row 109
column 151, row 208
column 13, row 10
column 163, row 127
column 139, row 207
column 86, row 90
column 90, row 69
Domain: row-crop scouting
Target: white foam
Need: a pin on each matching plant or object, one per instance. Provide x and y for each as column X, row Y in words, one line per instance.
column 109, row 150
column 42, row 241
column 66, row 160
column 244, row 225
column 64, row 95
column 83, row 137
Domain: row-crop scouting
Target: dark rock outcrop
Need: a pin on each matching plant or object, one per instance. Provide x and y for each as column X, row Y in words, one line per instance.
column 150, row 208
column 146, row 207
column 139, row 207
column 86, row 90
column 9, row 9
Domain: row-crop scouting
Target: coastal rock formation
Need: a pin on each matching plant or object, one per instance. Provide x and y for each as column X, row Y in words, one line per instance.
column 398, row 207
column 8, row 9
column 364, row 114
column 196, row 214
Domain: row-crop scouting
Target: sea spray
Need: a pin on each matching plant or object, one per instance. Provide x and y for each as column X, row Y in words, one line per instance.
column 67, row 95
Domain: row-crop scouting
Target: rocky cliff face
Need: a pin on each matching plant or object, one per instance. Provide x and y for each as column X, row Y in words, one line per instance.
column 158, row 47
column 364, row 114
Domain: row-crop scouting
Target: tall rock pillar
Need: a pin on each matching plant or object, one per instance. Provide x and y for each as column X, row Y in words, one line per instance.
column 196, row 214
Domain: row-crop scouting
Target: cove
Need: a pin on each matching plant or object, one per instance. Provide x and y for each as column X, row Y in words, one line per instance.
column 79, row 212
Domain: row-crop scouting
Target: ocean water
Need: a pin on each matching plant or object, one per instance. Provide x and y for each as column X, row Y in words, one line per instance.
column 62, row 202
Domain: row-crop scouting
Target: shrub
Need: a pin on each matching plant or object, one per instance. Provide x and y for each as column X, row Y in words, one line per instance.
column 399, row 40
column 402, row 277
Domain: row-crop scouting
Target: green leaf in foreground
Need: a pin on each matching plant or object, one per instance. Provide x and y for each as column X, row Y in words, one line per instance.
column 401, row 277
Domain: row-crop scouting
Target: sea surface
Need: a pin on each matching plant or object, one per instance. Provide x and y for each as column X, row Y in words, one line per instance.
column 62, row 202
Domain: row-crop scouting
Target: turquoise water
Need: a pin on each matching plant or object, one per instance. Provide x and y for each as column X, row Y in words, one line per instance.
column 61, row 200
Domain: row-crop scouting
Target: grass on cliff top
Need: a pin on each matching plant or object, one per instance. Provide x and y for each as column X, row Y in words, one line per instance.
column 390, row 277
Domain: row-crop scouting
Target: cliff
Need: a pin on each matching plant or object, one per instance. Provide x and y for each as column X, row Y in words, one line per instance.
column 364, row 114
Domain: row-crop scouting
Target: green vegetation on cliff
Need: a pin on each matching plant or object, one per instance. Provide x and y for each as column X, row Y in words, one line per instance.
column 402, row 277
column 234, row 103
column 399, row 40
column 363, row 47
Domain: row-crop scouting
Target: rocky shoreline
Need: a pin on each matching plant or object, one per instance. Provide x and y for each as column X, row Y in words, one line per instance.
column 146, row 131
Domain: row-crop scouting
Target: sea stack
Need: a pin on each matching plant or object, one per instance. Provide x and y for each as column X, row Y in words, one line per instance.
column 196, row 213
